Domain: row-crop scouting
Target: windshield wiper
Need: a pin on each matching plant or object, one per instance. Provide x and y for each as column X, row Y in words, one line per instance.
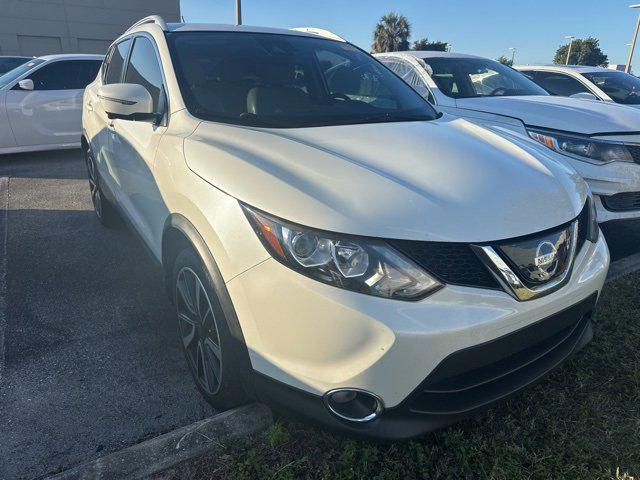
column 394, row 117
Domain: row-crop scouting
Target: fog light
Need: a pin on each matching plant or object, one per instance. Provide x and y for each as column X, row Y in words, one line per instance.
column 353, row 405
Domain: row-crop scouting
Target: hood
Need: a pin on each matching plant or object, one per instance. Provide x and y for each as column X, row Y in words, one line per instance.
column 445, row 180
column 589, row 117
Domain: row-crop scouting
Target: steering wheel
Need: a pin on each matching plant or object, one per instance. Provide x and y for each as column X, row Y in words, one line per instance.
column 340, row 96
column 496, row 90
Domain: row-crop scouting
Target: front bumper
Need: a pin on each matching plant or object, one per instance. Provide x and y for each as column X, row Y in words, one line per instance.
column 464, row 383
column 606, row 181
column 306, row 338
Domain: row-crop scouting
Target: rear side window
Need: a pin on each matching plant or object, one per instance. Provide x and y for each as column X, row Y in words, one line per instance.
column 65, row 75
column 116, row 62
column 144, row 69
column 559, row 84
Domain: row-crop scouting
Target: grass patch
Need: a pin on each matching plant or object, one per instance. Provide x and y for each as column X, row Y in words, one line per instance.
column 582, row 422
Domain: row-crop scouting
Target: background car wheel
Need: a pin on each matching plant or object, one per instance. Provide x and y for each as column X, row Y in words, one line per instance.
column 104, row 210
column 204, row 334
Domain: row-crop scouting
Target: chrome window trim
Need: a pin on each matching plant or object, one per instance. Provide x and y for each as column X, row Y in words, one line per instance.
column 510, row 280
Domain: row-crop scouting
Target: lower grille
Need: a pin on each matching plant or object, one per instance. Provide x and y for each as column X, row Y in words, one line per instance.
column 479, row 375
column 622, row 202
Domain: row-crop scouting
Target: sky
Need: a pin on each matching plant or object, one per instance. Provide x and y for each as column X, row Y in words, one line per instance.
column 486, row 28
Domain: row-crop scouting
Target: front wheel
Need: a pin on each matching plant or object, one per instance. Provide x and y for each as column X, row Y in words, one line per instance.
column 106, row 213
column 204, row 334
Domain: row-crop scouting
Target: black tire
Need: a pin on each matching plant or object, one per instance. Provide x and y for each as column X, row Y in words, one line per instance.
column 104, row 210
column 223, row 390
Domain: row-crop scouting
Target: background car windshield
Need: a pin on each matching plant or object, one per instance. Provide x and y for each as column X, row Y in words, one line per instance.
column 288, row 81
column 12, row 75
column 478, row 77
column 621, row 87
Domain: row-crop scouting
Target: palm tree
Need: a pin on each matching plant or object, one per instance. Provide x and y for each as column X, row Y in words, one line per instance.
column 391, row 34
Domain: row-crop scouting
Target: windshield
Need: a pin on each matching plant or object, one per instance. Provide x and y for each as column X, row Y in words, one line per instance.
column 12, row 75
column 620, row 86
column 288, row 81
column 479, row 77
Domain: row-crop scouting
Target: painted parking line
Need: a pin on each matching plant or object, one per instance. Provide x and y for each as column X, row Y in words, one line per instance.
column 4, row 208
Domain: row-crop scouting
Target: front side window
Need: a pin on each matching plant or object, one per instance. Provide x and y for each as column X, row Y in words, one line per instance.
column 479, row 77
column 143, row 69
column 559, row 84
column 620, row 86
column 13, row 75
column 65, row 75
column 287, row 81
column 116, row 62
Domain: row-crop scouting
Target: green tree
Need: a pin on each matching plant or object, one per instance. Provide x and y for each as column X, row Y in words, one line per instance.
column 435, row 46
column 391, row 33
column 505, row 61
column 583, row 52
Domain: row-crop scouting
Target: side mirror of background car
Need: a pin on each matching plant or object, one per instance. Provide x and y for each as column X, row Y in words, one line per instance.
column 127, row 101
column 584, row 96
column 26, row 84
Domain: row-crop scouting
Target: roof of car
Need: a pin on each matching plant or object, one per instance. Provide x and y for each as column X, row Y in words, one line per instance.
column 430, row 54
column 563, row 68
column 72, row 56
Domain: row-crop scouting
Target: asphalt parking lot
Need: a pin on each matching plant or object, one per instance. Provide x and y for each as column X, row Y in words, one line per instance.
column 89, row 359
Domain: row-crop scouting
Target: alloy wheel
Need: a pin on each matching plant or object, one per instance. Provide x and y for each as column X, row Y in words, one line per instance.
column 96, row 197
column 198, row 330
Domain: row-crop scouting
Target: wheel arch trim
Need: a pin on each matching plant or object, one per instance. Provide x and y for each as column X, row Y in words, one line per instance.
column 178, row 222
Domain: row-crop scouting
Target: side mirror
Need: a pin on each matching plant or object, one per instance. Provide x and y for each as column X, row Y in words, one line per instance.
column 127, row 101
column 26, row 84
column 584, row 96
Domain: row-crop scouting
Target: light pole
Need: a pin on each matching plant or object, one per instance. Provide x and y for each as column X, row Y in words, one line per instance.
column 238, row 12
column 513, row 54
column 633, row 42
column 570, row 38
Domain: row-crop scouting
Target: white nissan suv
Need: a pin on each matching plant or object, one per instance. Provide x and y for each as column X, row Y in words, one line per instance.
column 333, row 247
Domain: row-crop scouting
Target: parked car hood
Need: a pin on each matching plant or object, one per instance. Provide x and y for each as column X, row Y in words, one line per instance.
column 447, row 180
column 588, row 117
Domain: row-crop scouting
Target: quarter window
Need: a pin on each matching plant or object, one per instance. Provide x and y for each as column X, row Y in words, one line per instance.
column 65, row 75
column 116, row 62
column 143, row 69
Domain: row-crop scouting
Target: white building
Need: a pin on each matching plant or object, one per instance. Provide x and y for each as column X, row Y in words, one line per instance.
column 40, row 27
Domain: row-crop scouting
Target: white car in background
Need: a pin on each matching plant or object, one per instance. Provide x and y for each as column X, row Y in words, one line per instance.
column 600, row 140
column 332, row 247
column 595, row 83
column 41, row 102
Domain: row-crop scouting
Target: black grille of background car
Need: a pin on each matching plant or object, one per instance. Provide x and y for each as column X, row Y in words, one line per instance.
column 477, row 376
column 622, row 202
column 453, row 263
column 634, row 150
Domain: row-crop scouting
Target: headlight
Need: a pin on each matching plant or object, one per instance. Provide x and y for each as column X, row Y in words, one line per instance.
column 582, row 148
column 360, row 264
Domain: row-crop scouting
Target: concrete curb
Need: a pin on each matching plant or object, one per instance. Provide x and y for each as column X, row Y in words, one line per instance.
column 159, row 453
column 623, row 266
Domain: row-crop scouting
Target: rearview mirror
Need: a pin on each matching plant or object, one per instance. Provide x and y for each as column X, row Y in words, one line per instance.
column 584, row 96
column 127, row 101
column 26, row 84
